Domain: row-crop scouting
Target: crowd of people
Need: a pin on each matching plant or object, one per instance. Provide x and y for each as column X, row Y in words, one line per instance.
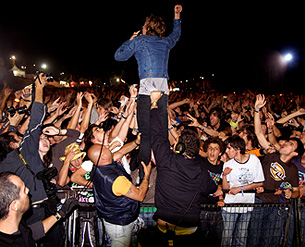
column 239, row 142
column 177, row 151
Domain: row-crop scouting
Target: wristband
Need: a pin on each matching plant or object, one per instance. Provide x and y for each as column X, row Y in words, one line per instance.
column 59, row 132
column 242, row 190
column 146, row 179
column 154, row 103
column 171, row 128
column 57, row 216
column 136, row 143
column 123, row 116
column 257, row 111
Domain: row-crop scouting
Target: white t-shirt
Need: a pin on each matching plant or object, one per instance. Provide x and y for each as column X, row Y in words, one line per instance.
column 243, row 174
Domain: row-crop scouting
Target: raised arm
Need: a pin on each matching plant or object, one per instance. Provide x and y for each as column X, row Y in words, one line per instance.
column 259, row 103
column 299, row 112
column 178, row 10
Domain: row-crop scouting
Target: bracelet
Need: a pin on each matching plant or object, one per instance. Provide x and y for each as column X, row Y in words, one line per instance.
column 146, row 179
column 270, row 132
column 242, row 190
column 57, row 216
column 203, row 128
column 154, row 103
column 171, row 128
column 257, row 111
column 16, row 100
column 136, row 143
column 123, row 116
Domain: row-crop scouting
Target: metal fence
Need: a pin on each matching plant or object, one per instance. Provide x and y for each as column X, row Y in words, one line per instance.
column 259, row 224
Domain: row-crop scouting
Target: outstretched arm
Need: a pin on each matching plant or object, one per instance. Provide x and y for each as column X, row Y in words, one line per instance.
column 259, row 103
column 178, row 10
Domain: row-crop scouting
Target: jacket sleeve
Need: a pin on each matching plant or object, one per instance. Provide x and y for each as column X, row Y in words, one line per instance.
column 30, row 140
column 125, row 51
column 175, row 35
column 159, row 142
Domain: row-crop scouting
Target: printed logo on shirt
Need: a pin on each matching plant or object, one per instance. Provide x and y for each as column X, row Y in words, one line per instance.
column 215, row 177
column 301, row 178
column 277, row 171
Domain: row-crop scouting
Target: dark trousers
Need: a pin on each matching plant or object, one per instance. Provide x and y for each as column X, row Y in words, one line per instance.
column 143, row 117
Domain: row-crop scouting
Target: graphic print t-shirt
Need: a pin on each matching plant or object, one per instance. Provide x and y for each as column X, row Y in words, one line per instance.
column 243, row 174
column 215, row 174
column 276, row 172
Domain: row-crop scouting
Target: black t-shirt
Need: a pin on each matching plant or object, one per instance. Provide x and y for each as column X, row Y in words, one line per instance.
column 276, row 171
column 23, row 237
column 215, row 173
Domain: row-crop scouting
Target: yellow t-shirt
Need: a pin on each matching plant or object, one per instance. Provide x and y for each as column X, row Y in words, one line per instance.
column 121, row 186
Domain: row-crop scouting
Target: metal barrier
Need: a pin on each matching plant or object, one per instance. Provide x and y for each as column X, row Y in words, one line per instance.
column 259, row 224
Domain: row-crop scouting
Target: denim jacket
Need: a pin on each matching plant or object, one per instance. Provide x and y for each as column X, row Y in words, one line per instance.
column 151, row 52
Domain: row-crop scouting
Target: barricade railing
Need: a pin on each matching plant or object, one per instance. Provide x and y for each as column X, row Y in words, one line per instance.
column 258, row 224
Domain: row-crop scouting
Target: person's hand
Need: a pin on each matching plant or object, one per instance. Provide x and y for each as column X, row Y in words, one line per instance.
column 72, row 151
column 133, row 91
column 89, row 97
column 51, row 131
column 42, row 82
column 221, row 203
column 135, row 34
column 67, row 207
column 54, row 105
column 259, row 190
column 130, row 109
column 102, row 117
column 178, row 9
column 226, row 171
column 79, row 97
column 288, row 193
column 260, row 101
column 7, row 92
column 114, row 145
column 146, row 169
column 234, row 190
column 218, row 192
column 194, row 120
column 155, row 96
column 301, row 111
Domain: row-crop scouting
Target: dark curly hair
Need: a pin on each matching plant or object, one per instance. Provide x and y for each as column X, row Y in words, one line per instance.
column 189, row 137
column 155, row 26
column 214, row 140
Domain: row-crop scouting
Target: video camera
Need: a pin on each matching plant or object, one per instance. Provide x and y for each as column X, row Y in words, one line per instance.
column 21, row 110
column 46, row 176
column 47, row 75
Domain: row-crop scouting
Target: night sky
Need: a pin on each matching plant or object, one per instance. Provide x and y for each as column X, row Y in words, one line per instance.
column 239, row 43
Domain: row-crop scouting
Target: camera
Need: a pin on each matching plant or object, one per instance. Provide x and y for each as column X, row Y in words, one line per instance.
column 21, row 110
column 47, row 75
column 46, row 175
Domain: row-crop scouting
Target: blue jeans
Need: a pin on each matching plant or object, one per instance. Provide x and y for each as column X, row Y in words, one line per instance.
column 236, row 223
column 266, row 227
column 120, row 236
